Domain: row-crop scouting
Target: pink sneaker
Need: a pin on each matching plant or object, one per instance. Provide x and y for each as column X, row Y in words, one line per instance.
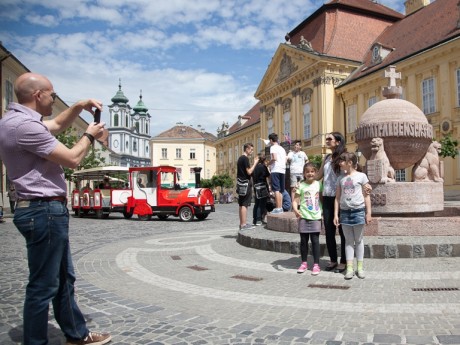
column 303, row 267
column 315, row 271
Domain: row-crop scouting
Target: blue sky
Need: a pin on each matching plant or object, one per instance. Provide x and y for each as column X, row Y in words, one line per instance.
column 198, row 62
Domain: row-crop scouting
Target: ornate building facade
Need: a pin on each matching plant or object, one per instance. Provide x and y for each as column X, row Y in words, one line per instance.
column 330, row 70
column 129, row 130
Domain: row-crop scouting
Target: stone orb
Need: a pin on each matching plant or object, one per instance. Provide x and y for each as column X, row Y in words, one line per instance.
column 403, row 127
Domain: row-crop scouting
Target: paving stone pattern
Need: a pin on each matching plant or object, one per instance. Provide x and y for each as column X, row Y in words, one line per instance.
column 169, row 282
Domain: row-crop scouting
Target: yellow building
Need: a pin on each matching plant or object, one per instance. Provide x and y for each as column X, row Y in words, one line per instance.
column 185, row 148
column 331, row 69
column 230, row 140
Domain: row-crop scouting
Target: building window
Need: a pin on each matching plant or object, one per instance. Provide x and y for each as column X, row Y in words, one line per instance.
column 287, row 124
column 236, row 153
column 230, row 156
column 400, row 175
column 428, row 97
column 270, row 126
column 221, row 157
column 8, row 91
column 306, row 121
column 371, row 101
column 351, row 118
column 135, row 146
column 192, row 154
column 164, row 153
column 115, row 120
column 458, row 87
column 178, row 153
column 127, row 121
column 146, row 149
column 207, row 155
column 146, row 128
column 137, row 126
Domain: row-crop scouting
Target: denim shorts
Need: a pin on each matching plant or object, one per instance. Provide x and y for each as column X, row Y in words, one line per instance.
column 277, row 180
column 353, row 216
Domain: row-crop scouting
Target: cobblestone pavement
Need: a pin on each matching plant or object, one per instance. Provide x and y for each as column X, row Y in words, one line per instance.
column 168, row 282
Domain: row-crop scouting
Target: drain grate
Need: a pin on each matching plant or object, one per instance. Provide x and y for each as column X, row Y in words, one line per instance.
column 197, row 268
column 247, row 278
column 327, row 286
column 436, row 289
column 176, row 257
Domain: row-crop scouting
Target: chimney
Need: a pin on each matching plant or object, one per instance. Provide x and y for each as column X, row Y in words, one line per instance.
column 197, row 171
column 415, row 5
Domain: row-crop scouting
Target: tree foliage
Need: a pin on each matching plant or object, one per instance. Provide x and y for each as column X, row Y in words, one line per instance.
column 316, row 160
column 449, row 146
column 93, row 158
column 223, row 181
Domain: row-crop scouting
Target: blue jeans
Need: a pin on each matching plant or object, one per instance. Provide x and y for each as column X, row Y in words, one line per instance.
column 45, row 226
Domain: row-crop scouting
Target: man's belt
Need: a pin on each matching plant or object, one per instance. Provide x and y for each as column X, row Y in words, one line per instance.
column 26, row 203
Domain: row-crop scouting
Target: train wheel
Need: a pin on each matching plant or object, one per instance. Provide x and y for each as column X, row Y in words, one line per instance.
column 144, row 217
column 185, row 214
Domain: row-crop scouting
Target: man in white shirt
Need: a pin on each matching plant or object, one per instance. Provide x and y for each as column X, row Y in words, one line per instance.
column 277, row 171
column 296, row 160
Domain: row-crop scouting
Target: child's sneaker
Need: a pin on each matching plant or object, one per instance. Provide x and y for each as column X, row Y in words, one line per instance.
column 315, row 271
column 303, row 267
column 349, row 274
column 360, row 274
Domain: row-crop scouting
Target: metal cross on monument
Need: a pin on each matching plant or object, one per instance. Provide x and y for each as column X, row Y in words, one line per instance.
column 392, row 75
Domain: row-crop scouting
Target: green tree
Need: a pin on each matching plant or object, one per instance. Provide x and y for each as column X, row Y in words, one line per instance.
column 223, row 181
column 449, row 146
column 206, row 183
column 316, row 160
column 93, row 158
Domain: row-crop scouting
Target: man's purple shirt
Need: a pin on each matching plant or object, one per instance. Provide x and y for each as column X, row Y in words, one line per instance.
column 25, row 142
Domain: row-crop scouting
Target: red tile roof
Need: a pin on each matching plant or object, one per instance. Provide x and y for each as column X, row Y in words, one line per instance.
column 185, row 132
column 251, row 117
column 424, row 29
column 345, row 28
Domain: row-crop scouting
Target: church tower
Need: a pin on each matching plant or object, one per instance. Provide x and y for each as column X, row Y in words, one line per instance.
column 129, row 132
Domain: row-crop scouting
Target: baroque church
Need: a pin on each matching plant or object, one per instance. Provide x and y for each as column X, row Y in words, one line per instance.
column 129, row 130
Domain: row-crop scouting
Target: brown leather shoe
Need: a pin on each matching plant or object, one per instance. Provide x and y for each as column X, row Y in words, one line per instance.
column 94, row 338
column 340, row 268
column 331, row 266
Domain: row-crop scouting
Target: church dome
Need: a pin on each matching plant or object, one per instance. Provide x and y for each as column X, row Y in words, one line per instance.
column 140, row 107
column 120, row 96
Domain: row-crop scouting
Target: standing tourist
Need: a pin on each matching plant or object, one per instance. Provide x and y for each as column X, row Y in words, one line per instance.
column 277, row 171
column 260, row 176
column 12, row 196
column 243, row 175
column 41, row 213
column 329, row 172
column 309, row 196
column 355, row 211
column 296, row 160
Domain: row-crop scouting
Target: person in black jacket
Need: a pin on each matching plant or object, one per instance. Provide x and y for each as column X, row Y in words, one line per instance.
column 260, row 175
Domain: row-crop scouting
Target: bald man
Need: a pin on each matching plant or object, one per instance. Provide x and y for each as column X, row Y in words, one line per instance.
column 34, row 159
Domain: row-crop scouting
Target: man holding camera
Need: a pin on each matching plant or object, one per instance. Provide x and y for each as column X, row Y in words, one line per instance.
column 41, row 214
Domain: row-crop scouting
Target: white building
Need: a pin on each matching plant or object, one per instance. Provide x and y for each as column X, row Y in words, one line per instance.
column 129, row 130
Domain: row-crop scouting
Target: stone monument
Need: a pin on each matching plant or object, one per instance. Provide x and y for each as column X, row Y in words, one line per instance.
column 394, row 134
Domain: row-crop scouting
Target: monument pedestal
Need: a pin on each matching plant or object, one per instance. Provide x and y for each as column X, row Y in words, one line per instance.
column 406, row 198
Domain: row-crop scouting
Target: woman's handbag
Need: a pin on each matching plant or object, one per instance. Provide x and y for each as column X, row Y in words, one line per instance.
column 261, row 190
column 242, row 187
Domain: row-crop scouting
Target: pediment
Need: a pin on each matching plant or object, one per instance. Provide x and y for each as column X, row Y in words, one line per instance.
column 287, row 62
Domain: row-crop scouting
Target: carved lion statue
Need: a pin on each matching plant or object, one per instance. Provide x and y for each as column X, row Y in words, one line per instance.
column 428, row 168
column 378, row 153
